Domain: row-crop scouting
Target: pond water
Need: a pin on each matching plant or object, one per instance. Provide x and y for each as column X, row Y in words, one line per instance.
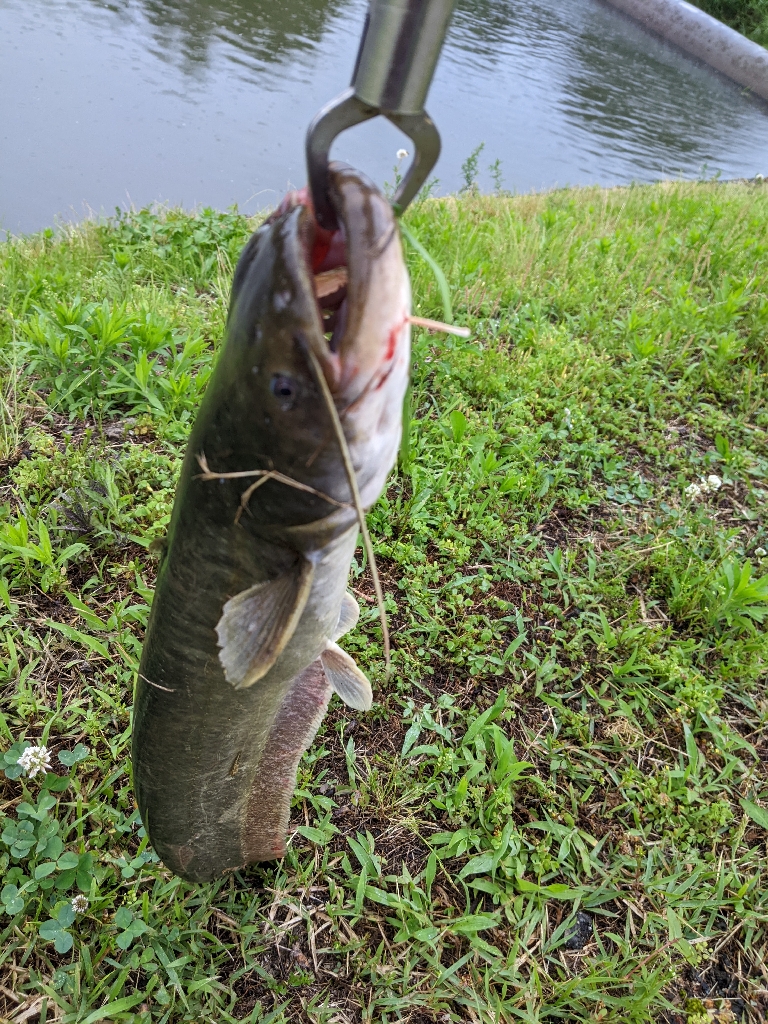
column 207, row 102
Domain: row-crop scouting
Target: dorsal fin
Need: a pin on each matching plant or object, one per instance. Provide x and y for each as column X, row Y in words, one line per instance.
column 257, row 623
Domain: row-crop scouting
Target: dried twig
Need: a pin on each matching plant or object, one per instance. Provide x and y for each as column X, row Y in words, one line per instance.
column 263, row 475
column 438, row 325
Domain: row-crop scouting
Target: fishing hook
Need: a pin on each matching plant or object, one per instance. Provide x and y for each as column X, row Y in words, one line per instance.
column 398, row 53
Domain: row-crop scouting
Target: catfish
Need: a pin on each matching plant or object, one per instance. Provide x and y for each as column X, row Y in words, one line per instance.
column 241, row 653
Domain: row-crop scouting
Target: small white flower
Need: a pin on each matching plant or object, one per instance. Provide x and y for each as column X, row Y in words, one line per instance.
column 693, row 491
column 760, row 552
column 34, row 760
column 80, row 904
column 402, row 154
column 714, row 483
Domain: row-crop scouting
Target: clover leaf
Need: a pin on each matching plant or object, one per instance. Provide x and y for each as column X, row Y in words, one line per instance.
column 56, row 783
column 54, row 930
column 52, row 848
column 71, row 757
column 74, row 868
column 39, row 813
column 20, row 837
column 84, row 872
column 123, row 917
column 132, row 927
column 65, row 915
column 9, row 759
column 12, row 901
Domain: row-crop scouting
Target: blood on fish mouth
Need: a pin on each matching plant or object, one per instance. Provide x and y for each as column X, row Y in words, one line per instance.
column 328, row 263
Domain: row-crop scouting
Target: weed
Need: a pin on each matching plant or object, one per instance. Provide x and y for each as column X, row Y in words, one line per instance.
column 750, row 17
column 469, row 169
column 496, row 176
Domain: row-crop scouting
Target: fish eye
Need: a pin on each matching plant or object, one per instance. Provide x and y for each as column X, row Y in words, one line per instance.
column 284, row 389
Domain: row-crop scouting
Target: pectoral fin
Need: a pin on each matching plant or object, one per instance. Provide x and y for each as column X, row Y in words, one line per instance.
column 348, row 616
column 346, row 678
column 257, row 623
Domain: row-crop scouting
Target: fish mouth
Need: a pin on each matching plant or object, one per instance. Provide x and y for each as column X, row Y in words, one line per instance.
column 331, row 295
column 326, row 256
column 359, row 283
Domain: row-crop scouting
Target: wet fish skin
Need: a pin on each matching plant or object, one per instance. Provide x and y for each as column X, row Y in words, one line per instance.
column 214, row 758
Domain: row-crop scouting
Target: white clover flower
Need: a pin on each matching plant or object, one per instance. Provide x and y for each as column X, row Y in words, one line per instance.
column 402, row 154
column 35, row 759
column 714, row 483
column 567, row 416
column 79, row 903
column 693, row 491
column 760, row 552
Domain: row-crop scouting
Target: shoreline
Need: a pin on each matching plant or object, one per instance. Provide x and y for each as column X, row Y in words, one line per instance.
column 161, row 209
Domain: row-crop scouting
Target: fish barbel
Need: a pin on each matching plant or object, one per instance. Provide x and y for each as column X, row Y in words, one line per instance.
column 240, row 657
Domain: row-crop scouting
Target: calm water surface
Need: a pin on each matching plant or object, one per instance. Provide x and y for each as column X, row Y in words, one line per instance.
column 207, row 101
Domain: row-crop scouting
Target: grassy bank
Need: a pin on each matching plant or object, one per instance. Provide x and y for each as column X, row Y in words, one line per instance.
column 558, row 808
column 750, row 17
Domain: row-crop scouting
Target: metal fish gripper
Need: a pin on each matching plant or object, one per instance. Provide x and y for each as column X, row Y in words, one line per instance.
column 398, row 53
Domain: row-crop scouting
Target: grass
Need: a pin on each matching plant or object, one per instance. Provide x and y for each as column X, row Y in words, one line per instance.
column 750, row 17
column 557, row 810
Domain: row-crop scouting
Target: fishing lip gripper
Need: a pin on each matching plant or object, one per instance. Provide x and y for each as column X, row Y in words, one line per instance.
column 399, row 49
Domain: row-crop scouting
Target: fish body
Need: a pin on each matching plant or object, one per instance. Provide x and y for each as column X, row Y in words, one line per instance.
column 240, row 657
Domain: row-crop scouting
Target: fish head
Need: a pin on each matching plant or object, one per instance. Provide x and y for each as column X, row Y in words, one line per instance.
column 344, row 296
column 367, row 357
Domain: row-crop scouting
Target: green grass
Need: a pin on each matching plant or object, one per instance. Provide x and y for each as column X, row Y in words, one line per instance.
column 750, row 17
column 557, row 810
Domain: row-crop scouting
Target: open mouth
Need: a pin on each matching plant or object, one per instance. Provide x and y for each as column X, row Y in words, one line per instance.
column 326, row 255
column 331, row 295
column 328, row 263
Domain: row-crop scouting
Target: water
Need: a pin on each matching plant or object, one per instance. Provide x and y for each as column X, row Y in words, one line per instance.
column 207, row 101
